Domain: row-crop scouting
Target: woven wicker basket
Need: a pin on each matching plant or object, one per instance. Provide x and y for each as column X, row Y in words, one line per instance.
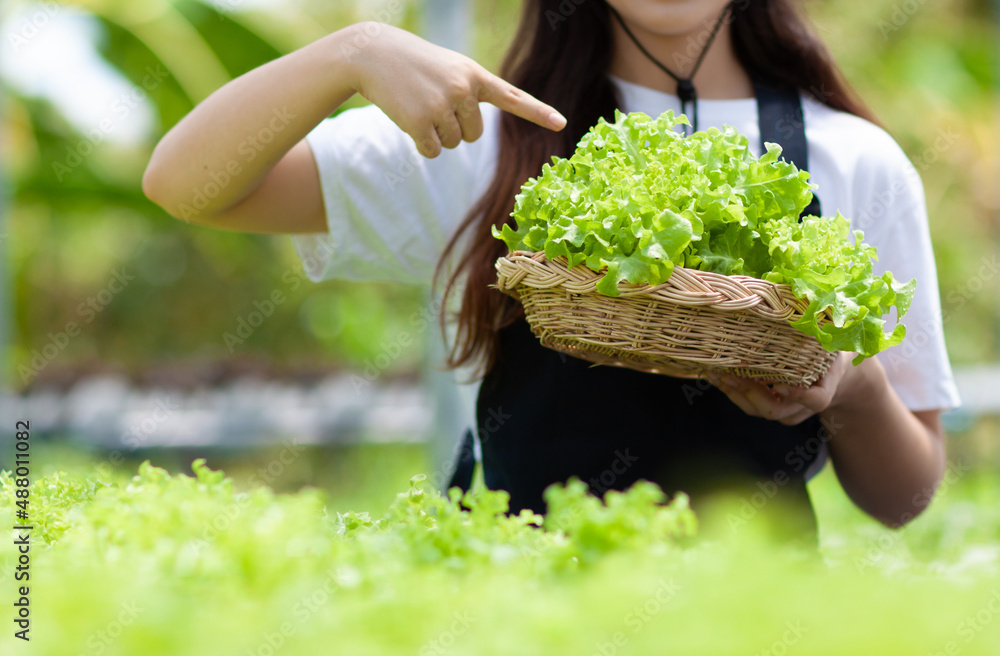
column 695, row 323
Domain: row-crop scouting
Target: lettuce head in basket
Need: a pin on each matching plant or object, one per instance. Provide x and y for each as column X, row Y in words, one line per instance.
column 637, row 199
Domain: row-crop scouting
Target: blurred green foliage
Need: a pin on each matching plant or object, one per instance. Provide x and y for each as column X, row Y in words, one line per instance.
column 165, row 565
column 68, row 234
column 927, row 69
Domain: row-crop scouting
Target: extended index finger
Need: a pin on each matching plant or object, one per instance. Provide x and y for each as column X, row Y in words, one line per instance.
column 509, row 98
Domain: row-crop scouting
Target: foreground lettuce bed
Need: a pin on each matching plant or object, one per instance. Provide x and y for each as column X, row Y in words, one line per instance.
column 182, row 565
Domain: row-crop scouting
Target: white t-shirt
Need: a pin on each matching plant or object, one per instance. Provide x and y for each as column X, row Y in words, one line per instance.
column 390, row 211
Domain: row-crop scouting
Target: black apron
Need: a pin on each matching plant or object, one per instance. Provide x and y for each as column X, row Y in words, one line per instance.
column 543, row 417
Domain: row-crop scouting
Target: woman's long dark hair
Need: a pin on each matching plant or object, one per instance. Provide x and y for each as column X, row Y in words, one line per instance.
column 562, row 59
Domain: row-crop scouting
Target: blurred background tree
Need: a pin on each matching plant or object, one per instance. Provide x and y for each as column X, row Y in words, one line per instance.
column 91, row 85
column 78, row 213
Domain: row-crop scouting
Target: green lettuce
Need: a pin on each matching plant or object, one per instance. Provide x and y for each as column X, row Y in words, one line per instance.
column 637, row 198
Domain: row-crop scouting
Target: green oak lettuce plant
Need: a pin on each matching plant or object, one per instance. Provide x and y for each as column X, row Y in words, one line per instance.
column 637, row 199
column 164, row 565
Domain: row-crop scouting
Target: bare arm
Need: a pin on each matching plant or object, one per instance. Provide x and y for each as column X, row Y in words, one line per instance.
column 888, row 459
column 239, row 160
column 214, row 166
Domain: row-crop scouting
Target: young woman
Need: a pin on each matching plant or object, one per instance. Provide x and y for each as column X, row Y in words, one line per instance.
column 417, row 179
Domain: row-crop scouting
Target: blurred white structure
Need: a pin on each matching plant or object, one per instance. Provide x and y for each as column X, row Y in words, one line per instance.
column 447, row 23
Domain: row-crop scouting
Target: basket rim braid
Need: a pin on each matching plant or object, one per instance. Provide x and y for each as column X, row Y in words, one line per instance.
column 695, row 323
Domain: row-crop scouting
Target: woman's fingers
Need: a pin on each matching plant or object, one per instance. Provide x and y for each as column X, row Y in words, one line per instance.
column 428, row 142
column 470, row 119
column 509, row 98
column 821, row 393
column 758, row 400
column 433, row 94
column 456, row 117
column 448, row 130
column 816, row 397
column 769, row 404
column 798, row 417
column 461, row 122
column 784, row 403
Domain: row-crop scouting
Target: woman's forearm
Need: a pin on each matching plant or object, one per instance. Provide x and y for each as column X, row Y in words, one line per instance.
column 233, row 161
column 888, row 459
column 217, row 154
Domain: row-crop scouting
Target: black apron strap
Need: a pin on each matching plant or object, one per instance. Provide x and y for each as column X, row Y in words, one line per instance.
column 781, row 121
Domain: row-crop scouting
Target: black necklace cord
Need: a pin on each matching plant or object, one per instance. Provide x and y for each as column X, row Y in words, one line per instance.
column 685, row 86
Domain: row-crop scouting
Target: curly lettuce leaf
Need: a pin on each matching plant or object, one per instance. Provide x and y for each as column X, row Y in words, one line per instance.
column 822, row 263
column 637, row 198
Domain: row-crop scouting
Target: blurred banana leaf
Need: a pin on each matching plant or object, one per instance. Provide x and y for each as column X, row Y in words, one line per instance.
column 77, row 219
